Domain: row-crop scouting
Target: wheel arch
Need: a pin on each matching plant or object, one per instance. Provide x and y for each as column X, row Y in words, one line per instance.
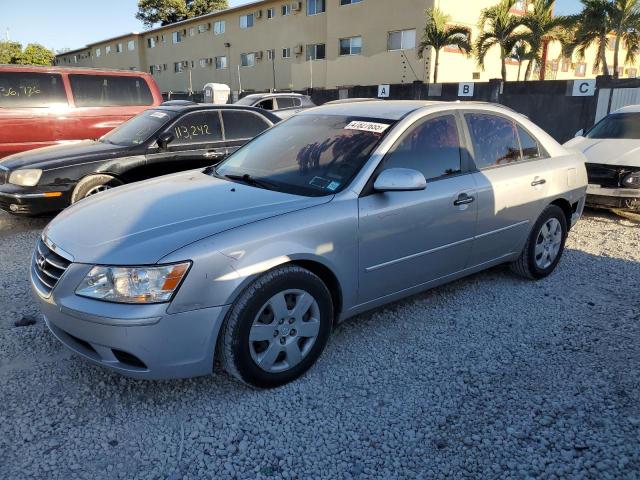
column 566, row 207
column 328, row 277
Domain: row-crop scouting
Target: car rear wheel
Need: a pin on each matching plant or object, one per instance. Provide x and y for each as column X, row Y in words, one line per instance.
column 277, row 328
column 545, row 245
column 92, row 185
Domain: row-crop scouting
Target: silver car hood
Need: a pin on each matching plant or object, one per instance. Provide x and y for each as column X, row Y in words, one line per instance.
column 138, row 224
column 625, row 153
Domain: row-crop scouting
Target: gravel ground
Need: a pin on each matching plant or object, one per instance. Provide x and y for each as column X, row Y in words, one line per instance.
column 489, row 377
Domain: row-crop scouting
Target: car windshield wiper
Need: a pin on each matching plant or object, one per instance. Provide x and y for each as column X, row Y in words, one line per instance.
column 249, row 180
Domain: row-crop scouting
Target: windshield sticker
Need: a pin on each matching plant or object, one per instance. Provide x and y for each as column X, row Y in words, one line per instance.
column 158, row 115
column 320, row 182
column 367, row 126
column 333, row 186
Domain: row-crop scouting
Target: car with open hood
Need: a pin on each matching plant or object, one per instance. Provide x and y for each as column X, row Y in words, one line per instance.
column 612, row 149
column 335, row 211
column 176, row 136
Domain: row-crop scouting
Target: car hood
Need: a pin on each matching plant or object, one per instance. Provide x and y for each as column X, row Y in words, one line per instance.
column 50, row 157
column 608, row 151
column 140, row 223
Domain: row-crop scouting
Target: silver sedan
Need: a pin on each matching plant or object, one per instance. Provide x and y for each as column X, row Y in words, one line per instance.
column 336, row 211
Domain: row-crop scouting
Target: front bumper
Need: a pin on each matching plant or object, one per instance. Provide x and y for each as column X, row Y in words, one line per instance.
column 627, row 198
column 31, row 203
column 140, row 341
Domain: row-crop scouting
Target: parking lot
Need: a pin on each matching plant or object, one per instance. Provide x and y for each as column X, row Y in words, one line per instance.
column 488, row 377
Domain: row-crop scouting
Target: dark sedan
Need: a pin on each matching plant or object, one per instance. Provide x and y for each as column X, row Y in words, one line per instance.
column 174, row 137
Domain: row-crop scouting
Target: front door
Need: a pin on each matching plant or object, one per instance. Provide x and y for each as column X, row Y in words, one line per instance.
column 412, row 238
column 197, row 143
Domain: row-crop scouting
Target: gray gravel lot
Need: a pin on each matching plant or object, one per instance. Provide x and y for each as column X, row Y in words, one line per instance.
column 489, row 377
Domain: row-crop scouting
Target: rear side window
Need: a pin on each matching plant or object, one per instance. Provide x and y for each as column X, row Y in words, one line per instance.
column 530, row 148
column 495, row 140
column 25, row 90
column 285, row 102
column 239, row 125
column 432, row 147
column 109, row 91
column 198, row 127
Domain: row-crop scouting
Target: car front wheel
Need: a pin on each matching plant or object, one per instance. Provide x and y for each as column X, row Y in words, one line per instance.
column 277, row 328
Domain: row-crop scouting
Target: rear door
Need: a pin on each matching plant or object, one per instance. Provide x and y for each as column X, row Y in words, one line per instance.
column 412, row 238
column 30, row 103
column 198, row 142
column 512, row 186
column 240, row 126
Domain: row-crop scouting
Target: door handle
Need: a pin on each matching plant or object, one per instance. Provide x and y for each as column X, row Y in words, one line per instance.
column 464, row 199
column 213, row 154
column 538, row 181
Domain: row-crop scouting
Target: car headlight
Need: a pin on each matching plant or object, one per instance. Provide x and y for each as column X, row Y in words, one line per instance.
column 632, row 180
column 28, row 177
column 133, row 284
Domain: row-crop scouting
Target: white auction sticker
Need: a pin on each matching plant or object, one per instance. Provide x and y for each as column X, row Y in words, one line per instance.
column 367, row 126
column 158, row 115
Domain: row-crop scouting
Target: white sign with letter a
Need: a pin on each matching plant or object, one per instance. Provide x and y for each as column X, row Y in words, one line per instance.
column 384, row 91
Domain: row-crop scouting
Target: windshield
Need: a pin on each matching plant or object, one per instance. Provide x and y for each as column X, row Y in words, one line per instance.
column 139, row 129
column 312, row 155
column 617, row 126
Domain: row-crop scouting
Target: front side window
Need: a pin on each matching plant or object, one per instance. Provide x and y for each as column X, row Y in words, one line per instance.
column 401, row 40
column 495, row 140
column 221, row 63
column 219, row 27
column 246, row 21
column 312, row 155
column 248, row 59
column 617, row 126
column 315, row 7
column 139, row 129
column 351, row 46
column 316, row 52
column 112, row 90
column 432, row 148
column 28, row 90
column 239, row 125
column 197, row 127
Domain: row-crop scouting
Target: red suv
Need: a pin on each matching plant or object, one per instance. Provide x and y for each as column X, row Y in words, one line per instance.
column 42, row 106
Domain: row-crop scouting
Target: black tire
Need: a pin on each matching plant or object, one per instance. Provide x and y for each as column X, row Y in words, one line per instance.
column 526, row 265
column 87, row 184
column 234, row 349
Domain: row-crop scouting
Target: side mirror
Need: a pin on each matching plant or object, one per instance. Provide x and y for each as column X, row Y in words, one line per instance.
column 400, row 180
column 164, row 140
column 580, row 133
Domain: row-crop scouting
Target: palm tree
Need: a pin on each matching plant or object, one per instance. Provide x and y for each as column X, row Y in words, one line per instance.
column 498, row 26
column 522, row 53
column 438, row 34
column 589, row 27
column 625, row 16
column 544, row 28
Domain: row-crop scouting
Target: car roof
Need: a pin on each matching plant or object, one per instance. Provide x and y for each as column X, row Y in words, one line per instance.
column 394, row 109
column 194, row 107
column 70, row 70
column 281, row 94
column 628, row 109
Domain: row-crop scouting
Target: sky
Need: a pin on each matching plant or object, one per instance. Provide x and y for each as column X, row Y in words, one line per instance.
column 75, row 23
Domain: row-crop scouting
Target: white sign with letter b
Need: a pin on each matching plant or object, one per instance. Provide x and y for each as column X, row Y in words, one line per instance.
column 465, row 89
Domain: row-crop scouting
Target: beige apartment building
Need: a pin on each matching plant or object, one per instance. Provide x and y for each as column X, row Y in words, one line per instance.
column 279, row 44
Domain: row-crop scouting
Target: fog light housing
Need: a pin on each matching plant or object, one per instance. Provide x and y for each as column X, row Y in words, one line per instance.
column 14, row 208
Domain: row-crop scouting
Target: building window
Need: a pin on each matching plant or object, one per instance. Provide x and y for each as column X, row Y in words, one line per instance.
column 565, row 65
column 107, row 50
column 192, row 31
column 632, row 72
column 151, row 42
column 152, row 69
column 131, row 45
column 315, row 7
column 248, row 60
column 219, row 27
column 203, row 27
column 163, row 39
column 98, row 53
column 401, row 40
column 177, row 37
column 581, row 69
column 246, row 21
column 75, row 59
column 475, row 76
column 349, row 2
column 286, row 10
column 316, row 52
column 271, row 12
column 178, row 67
column 351, row 46
column 611, row 43
column 203, row 62
column 286, row 53
column 221, row 63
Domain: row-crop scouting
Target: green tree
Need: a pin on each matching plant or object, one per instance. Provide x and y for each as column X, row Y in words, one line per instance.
column 544, row 28
column 36, row 54
column 437, row 35
column 625, row 16
column 523, row 53
column 165, row 12
column 499, row 27
column 10, row 52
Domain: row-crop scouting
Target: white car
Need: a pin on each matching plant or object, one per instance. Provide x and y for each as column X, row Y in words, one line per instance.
column 612, row 148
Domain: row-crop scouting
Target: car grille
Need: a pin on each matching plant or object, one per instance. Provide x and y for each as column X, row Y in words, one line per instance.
column 607, row 176
column 46, row 268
